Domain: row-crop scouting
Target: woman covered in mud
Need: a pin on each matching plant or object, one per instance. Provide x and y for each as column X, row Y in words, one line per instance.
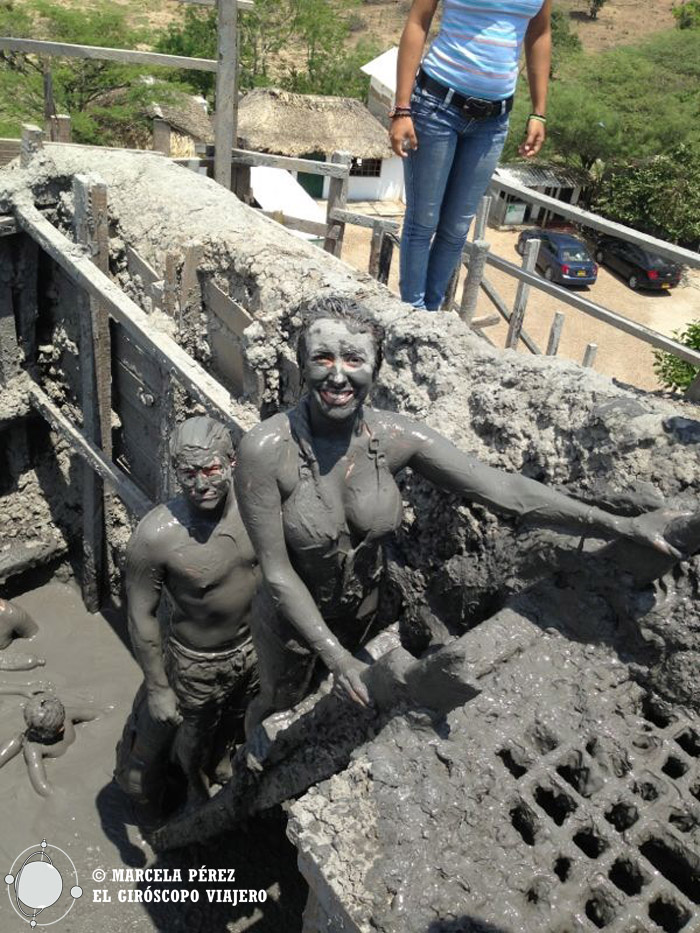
column 317, row 494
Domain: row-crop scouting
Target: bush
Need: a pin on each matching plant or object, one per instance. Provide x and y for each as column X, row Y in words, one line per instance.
column 673, row 372
column 687, row 15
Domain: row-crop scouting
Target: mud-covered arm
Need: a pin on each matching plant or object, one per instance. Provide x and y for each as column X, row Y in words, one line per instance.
column 11, row 747
column 145, row 572
column 260, row 504
column 436, row 458
column 35, row 768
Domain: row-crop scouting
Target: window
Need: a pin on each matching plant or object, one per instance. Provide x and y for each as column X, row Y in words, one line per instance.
column 366, row 168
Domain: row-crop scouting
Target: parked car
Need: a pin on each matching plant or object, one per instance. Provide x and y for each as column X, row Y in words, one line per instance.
column 562, row 258
column 641, row 268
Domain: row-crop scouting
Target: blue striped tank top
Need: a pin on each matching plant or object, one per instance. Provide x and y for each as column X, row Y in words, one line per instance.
column 477, row 49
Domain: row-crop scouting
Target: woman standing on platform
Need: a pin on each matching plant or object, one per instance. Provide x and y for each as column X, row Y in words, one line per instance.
column 451, row 120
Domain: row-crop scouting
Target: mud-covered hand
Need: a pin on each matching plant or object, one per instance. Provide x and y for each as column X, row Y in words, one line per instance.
column 162, row 705
column 535, row 134
column 402, row 136
column 347, row 675
column 648, row 529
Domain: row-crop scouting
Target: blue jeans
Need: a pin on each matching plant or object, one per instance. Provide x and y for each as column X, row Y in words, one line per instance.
column 445, row 179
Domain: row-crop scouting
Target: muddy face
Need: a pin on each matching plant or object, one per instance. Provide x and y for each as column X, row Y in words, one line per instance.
column 45, row 717
column 205, row 480
column 339, row 368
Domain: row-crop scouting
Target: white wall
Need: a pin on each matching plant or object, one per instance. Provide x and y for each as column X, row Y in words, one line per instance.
column 388, row 187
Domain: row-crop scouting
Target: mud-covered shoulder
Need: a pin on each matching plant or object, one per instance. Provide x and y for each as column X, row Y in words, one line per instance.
column 148, row 535
column 259, row 448
column 398, row 436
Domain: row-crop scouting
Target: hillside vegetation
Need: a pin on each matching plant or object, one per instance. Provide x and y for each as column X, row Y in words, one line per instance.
column 627, row 118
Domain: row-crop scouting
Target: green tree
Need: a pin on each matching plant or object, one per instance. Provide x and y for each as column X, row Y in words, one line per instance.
column 673, row 372
column 659, row 196
column 687, row 14
column 564, row 42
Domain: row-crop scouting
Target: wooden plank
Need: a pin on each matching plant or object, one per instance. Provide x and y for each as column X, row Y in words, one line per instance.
column 26, row 299
column 337, row 198
column 481, row 218
column 159, row 345
column 226, row 111
column 100, row 53
column 32, row 142
column 363, row 220
column 596, row 222
column 555, row 333
column 590, row 355
column 451, row 290
column 125, row 488
column 161, row 136
column 190, row 293
column 91, row 225
column 532, row 248
column 9, row 347
column 232, row 314
column 297, row 223
column 375, row 249
column 386, row 253
column 8, row 226
column 475, row 273
column 618, row 321
column 128, row 353
column 87, row 146
column 138, row 266
column 240, row 184
column 489, row 320
column 311, row 167
column 171, row 289
column 500, row 306
column 227, row 356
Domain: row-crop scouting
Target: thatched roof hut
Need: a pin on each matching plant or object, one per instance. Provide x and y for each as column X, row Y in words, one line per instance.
column 270, row 120
column 186, row 115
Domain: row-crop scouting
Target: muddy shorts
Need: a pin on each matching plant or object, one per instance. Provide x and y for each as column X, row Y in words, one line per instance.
column 202, row 680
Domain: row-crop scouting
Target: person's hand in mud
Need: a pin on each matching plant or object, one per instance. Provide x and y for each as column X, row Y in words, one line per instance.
column 162, row 705
column 347, row 676
column 660, row 530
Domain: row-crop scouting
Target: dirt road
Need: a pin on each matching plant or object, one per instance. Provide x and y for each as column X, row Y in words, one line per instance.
column 619, row 355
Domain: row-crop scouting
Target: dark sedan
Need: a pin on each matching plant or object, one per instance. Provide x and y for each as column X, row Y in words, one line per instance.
column 638, row 266
column 562, row 258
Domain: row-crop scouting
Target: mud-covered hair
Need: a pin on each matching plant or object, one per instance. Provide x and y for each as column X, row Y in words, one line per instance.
column 45, row 716
column 340, row 308
column 201, row 433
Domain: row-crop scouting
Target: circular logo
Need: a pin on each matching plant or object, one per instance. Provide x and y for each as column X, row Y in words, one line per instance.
column 36, row 884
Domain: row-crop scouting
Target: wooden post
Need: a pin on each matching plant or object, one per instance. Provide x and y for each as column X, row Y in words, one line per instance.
column 590, row 355
column 9, row 349
column 481, row 219
column 59, row 129
column 241, row 183
column 555, row 333
column 451, row 290
column 32, row 142
column 337, row 198
column 386, row 252
column 226, row 107
column 375, row 248
column 532, row 248
column 170, row 285
column 161, row 136
column 49, row 102
column 91, row 225
column 475, row 273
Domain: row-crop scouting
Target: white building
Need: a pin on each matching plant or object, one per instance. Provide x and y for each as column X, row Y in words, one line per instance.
column 382, row 84
column 311, row 126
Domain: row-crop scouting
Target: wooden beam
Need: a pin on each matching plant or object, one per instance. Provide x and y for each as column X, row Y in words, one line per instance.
column 475, row 273
column 596, row 222
column 8, row 226
column 596, row 311
column 91, row 225
column 32, row 142
column 337, row 198
column 532, row 248
column 590, row 355
column 229, row 312
column 132, row 497
column 386, row 254
column 157, row 344
column 500, row 305
column 555, row 333
column 9, row 347
column 226, row 107
column 363, row 220
column 313, row 227
column 310, row 166
column 126, row 56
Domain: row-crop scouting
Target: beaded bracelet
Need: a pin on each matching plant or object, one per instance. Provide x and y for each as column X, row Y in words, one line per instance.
column 537, row 116
column 399, row 112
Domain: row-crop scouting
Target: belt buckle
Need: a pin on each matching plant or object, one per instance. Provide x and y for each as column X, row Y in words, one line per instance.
column 475, row 107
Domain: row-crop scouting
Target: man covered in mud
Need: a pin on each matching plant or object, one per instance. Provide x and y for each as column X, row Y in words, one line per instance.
column 199, row 675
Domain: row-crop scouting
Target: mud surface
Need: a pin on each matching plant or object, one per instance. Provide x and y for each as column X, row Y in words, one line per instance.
column 532, row 807
column 89, row 818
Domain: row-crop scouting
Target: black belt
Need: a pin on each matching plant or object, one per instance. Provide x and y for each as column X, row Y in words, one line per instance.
column 475, row 107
